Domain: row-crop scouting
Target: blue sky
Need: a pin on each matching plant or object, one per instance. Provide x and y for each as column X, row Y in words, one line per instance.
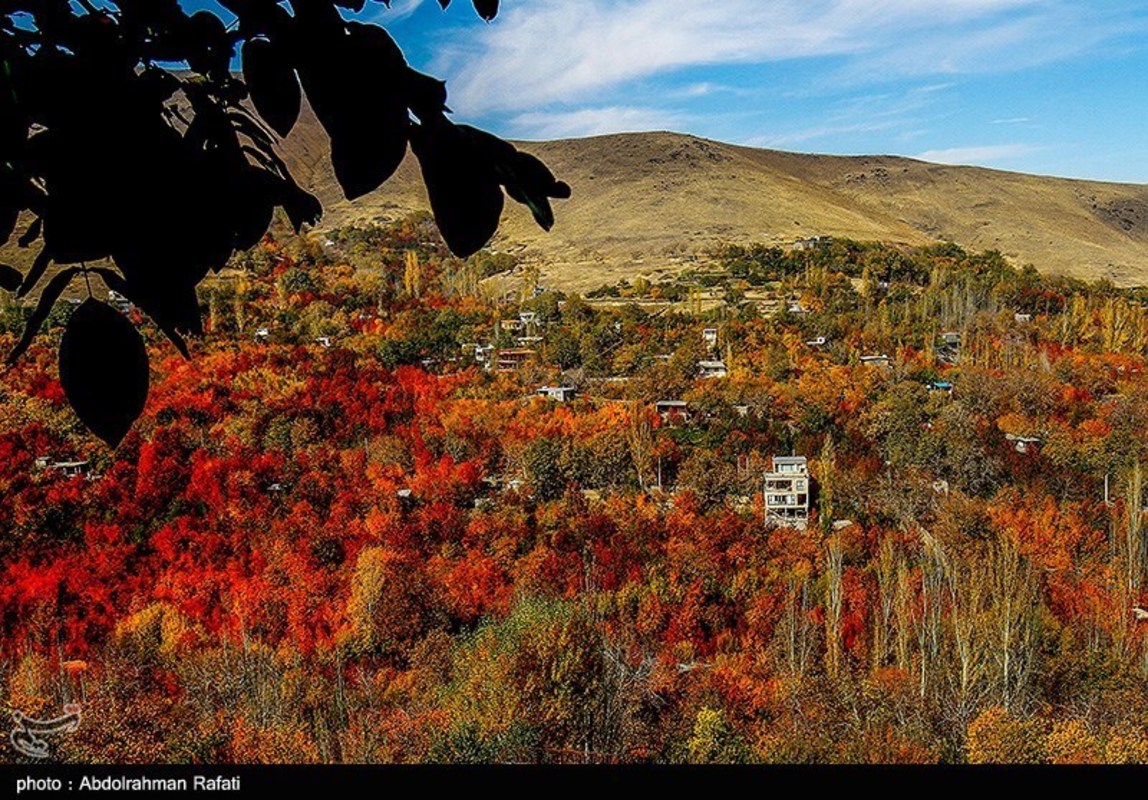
column 1045, row 86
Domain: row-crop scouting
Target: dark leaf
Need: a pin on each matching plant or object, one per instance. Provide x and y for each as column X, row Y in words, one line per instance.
column 270, row 78
column 527, row 180
column 10, row 278
column 255, row 131
column 255, row 193
column 210, row 45
column 425, row 96
column 9, row 214
column 117, row 284
column 256, row 16
column 104, row 370
column 33, row 232
column 48, row 299
column 487, row 9
column 172, row 304
column 368, row 129
column 461, row 183
column 302, row 207
column 363, row 162
column 39, row 267
column 530, row 182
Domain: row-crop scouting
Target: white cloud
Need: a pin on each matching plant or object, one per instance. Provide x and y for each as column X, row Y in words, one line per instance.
column 398, row 10
column 983, row 155
column 558, row 51
column 593, row 122
column 782, row 140
column 701, row 89
column 871, row 113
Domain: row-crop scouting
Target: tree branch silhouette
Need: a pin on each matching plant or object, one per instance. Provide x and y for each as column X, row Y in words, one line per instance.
column 95, row 146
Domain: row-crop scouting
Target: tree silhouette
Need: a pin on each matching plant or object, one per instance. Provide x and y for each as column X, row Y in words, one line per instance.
column 123, row 131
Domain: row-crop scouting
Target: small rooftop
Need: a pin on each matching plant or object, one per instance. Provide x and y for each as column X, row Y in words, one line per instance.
column 777, row 460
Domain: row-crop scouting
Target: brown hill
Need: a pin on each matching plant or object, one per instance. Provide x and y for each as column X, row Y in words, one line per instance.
column 652, row 202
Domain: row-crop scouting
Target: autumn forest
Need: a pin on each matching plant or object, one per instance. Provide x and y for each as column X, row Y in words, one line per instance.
column 402, row 507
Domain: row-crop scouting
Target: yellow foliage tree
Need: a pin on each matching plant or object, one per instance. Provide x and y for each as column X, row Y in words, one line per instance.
column 997, row 737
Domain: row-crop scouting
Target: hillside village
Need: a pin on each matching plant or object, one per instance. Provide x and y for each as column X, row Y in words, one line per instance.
column 831, row 501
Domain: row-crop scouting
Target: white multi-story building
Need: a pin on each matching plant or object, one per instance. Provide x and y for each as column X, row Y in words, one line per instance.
column 787, row 492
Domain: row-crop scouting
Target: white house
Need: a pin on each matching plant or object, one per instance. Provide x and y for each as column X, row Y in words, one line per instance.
column 712, row 369
column 119, row 302
column 69, row 469
column 561, row 394
column 1023, row 444
column 787, row 492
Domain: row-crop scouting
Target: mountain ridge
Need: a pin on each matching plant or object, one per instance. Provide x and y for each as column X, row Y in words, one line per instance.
column 654, row 203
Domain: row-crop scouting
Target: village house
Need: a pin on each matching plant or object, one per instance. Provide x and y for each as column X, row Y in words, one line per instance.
column 880, row 360
column 512, row 360
column 710, row 337
column 1023, row 444
column 119, row 302
column 69, row 469
column 941, row 386
column 1022, row 318
column 811, row 242
column 484, row 354
column 561, row 394
column 712, row 369
column 512, row 326
column 787, row 492
column 949, row 347
column 406, row 499
column 819, row 341
column 673, row 411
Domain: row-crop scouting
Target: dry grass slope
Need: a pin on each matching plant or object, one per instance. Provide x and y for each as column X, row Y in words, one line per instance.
column 653, row 203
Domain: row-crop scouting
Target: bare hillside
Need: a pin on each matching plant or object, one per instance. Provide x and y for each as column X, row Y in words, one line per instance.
column 651, row 202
